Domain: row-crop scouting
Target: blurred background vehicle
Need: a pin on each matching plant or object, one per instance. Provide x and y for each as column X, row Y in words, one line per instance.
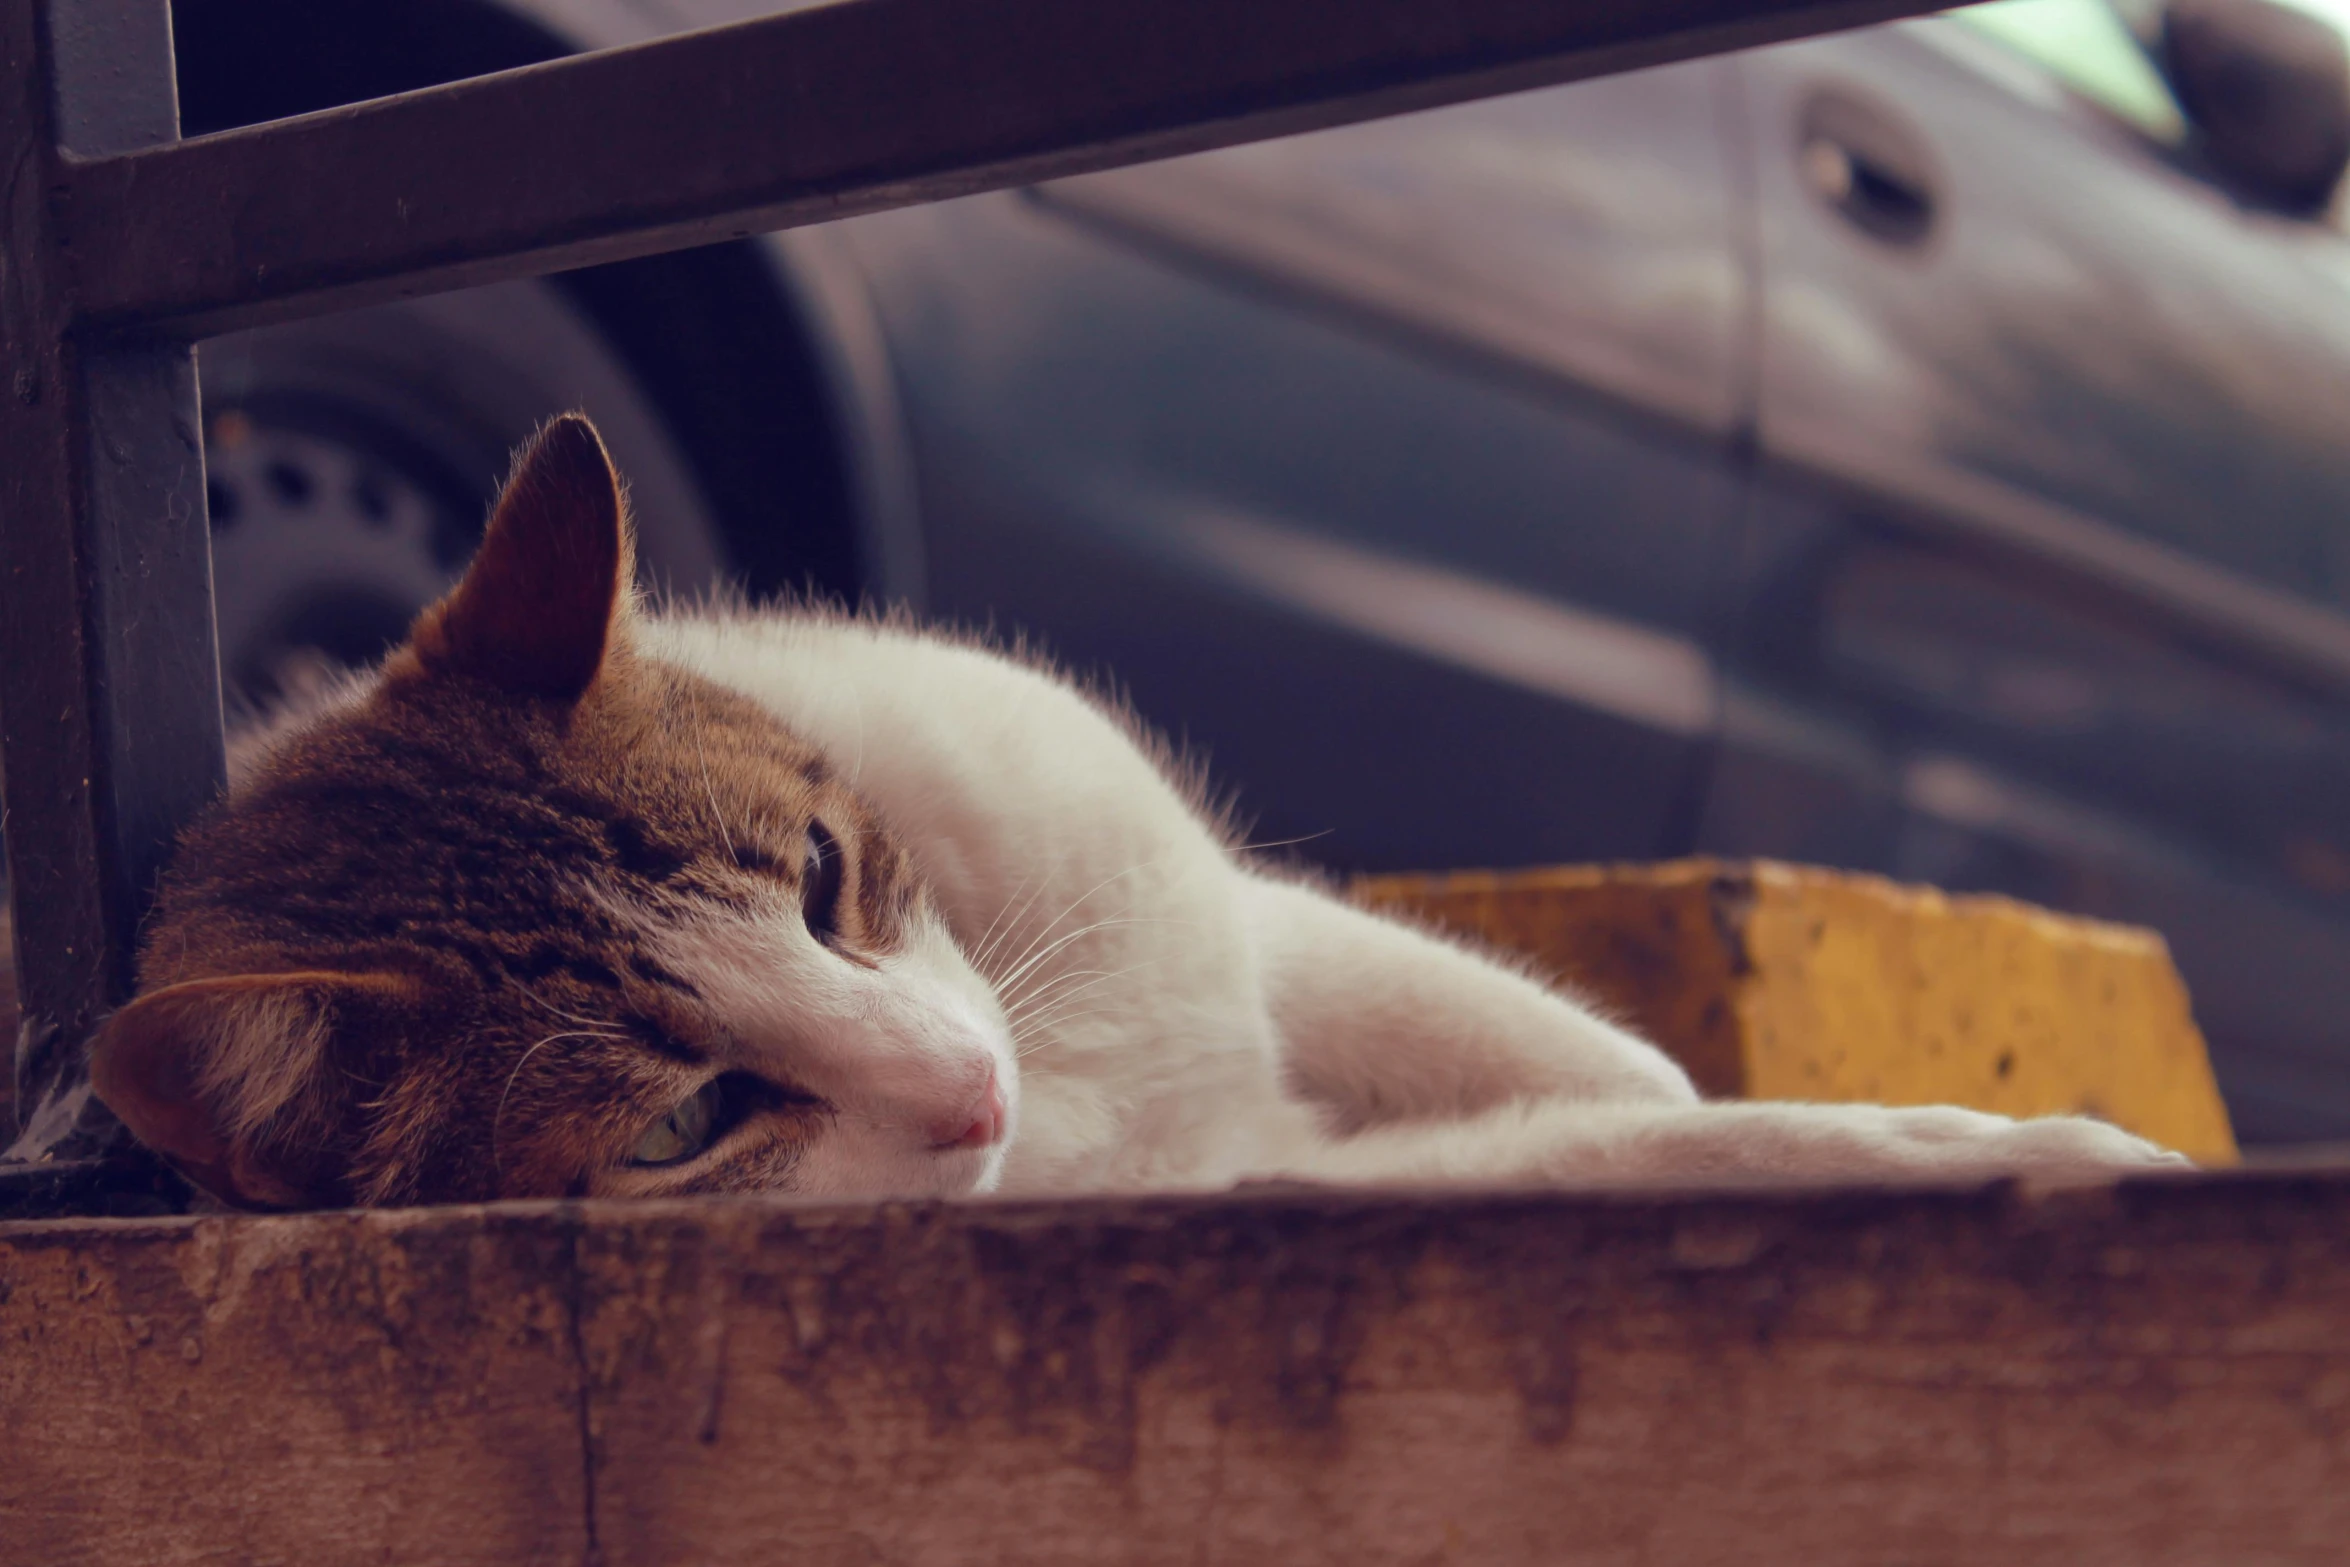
column 1922, row 449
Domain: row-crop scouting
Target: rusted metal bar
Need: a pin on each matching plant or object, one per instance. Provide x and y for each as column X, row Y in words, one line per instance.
column 109, row 683
column 819, row 113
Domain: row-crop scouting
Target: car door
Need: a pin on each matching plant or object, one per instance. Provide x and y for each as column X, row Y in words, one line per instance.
column 2042, row 589
column 1389, row 466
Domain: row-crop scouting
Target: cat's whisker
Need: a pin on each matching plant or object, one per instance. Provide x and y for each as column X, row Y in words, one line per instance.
column 1050, row 998
column 1039, row 1033
column 1079, row 902
column 1027, row 1035
column 985, row 946
column 1036, row 997
column 1008, row 988
column 717, row 816
column 1074, row 905
column 498, row 1116
column 1049, row 1005
column 1061, row 989
column 1075, row 1006
column 1043, row 1015
column 1281, row 843
column 1022, row 1050
column 1011, row 929
column 1028, row 967
column 565, row 1014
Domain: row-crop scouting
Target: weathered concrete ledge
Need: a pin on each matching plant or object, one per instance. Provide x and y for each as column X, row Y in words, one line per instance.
column 2149, row 1374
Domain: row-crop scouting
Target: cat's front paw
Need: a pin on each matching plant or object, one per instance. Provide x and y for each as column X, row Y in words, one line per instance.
column 2047, row 1148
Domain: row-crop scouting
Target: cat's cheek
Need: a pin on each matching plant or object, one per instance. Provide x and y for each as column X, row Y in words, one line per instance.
column 857, row 1158
column 991, row 1169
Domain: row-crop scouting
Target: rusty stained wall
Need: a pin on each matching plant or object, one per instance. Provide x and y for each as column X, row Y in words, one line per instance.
column 2151, row 1375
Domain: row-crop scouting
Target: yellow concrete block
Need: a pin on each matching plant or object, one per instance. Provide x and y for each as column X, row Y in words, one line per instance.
column 1776, row 981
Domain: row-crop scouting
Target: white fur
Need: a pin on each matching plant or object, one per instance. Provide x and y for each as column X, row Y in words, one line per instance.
column 1164, row 1015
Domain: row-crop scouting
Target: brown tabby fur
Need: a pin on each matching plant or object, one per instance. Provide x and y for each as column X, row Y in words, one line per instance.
column 401, row 903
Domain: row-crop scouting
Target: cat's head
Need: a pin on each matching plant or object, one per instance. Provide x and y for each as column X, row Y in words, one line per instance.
column 527, row 913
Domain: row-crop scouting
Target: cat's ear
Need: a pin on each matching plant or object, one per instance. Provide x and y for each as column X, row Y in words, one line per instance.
column 225, row 1077
column 546, row 598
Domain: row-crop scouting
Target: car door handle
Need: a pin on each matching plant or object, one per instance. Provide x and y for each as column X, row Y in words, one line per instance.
column 1867, row 166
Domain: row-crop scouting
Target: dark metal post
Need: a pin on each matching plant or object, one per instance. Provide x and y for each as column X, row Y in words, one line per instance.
column 109, row 679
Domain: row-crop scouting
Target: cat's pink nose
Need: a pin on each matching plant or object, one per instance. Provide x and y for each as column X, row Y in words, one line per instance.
column 978, row 1129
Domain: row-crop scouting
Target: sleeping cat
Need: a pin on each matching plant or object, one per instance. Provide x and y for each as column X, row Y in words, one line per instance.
column 573, row 898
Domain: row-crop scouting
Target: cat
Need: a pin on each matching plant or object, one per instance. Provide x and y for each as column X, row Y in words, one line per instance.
column 569, row 897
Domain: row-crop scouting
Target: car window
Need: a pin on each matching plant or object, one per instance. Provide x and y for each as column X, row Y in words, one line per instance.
column 2086, row 45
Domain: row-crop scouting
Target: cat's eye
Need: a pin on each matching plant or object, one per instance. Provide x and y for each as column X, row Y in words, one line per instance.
column 686, row 1130
column 820, row 883
column 703, row 1118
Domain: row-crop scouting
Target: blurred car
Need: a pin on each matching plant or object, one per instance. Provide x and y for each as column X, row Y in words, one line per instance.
column 1924, row 449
